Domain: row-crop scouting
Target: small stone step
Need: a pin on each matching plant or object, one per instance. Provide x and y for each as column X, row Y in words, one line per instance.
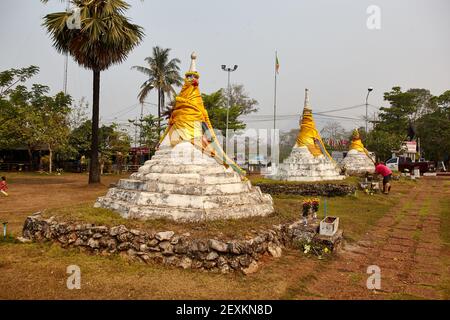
column 131, row 184
column 201, row 189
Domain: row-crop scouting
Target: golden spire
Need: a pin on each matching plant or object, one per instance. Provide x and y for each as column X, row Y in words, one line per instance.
column 309, row 136
column 307, row 105
column 356, row 142
column 193, row 67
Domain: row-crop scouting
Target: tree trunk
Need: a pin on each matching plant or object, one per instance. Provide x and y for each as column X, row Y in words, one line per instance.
column 159, row 114
column 30, row 157
column 50, row 156
column 94, row 172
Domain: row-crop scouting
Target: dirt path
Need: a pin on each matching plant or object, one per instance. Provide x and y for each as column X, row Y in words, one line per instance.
column 29, row 194
column 406, row 246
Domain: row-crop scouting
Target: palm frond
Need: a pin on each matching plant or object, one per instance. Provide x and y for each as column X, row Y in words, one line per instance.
column 106, row 36
column 162, row 73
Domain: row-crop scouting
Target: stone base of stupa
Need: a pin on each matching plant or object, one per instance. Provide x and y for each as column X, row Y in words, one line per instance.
column 357, row 163
column 301, row 165
column 183, row 184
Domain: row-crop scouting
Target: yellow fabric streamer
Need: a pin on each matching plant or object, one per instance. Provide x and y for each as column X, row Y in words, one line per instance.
column 189, row 121
column 309, row 136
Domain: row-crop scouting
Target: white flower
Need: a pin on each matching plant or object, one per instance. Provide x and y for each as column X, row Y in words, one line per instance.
column 307, row 248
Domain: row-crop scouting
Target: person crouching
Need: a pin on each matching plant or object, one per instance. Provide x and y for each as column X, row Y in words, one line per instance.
column 386, row 173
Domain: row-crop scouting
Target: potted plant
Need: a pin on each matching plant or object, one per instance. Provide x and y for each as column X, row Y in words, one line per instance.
column 306, row 208
column 315, row 202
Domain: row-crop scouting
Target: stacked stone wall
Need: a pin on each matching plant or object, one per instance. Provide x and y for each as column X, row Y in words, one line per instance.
column 167, row 247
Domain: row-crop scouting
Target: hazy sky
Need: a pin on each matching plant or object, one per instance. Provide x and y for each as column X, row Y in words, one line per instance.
column 322, row 45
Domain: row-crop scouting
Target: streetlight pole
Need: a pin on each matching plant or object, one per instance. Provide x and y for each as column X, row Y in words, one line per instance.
column 229, row 70
column 369, row 90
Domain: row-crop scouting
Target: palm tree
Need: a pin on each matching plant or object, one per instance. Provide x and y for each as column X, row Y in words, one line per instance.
column 163, row 74
column 105, row 38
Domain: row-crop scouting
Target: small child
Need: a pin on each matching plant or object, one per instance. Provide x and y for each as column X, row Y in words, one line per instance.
column 3, row 186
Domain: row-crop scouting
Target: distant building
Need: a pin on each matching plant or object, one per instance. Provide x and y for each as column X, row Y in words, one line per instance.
column 20, row 159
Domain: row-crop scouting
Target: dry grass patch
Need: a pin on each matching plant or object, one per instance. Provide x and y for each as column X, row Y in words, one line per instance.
column 357, row 214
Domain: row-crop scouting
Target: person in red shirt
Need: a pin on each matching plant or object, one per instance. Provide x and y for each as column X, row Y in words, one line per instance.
column 384, row 171
column 3, row 186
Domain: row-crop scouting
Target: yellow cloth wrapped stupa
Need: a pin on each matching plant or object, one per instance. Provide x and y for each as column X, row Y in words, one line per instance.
column 189, row 178
column 309, row 160
column 309, row 136
column 358, row 160
column 189, row 121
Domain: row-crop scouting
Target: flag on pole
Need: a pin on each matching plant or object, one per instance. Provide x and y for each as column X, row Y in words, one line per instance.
column 277, row 64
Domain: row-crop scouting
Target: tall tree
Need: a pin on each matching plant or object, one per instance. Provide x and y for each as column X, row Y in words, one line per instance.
column 80, row 139
column 53, row 124
column 10, row 78
column 334, row 135
column 405, row 108
column 33, row 118
column 114, row 142
column 216, row 104
column 410, row 110
column 434, row 130
column 150, row 131
column 333, row 130
column 239, row 97
column 78, row 114
column 383, row 143
column 106, row 38
column 12, row 94
column 162, row 75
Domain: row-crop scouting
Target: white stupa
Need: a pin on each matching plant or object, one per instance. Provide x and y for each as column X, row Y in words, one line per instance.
column 309, row 160
column 357, row 161
column 189, row 178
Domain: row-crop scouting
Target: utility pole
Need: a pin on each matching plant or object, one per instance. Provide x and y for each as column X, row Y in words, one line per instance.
column 229, row 70
column 275, row 92
column 369, row 90
column 141, row 137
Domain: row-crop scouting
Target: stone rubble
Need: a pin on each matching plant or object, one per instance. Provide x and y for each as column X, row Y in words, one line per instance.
column 308, row 189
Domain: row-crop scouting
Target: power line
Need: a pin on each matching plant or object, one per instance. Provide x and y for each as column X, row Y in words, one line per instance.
column 289, row 117
column 250, row 118
column 123, row 111
column 341, row 109
column 373, row 106
column 153, row 104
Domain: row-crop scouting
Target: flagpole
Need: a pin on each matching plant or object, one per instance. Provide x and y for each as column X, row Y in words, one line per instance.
column 275, row 95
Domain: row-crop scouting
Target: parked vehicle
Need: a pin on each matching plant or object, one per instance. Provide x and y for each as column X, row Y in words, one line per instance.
column 402, row 164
